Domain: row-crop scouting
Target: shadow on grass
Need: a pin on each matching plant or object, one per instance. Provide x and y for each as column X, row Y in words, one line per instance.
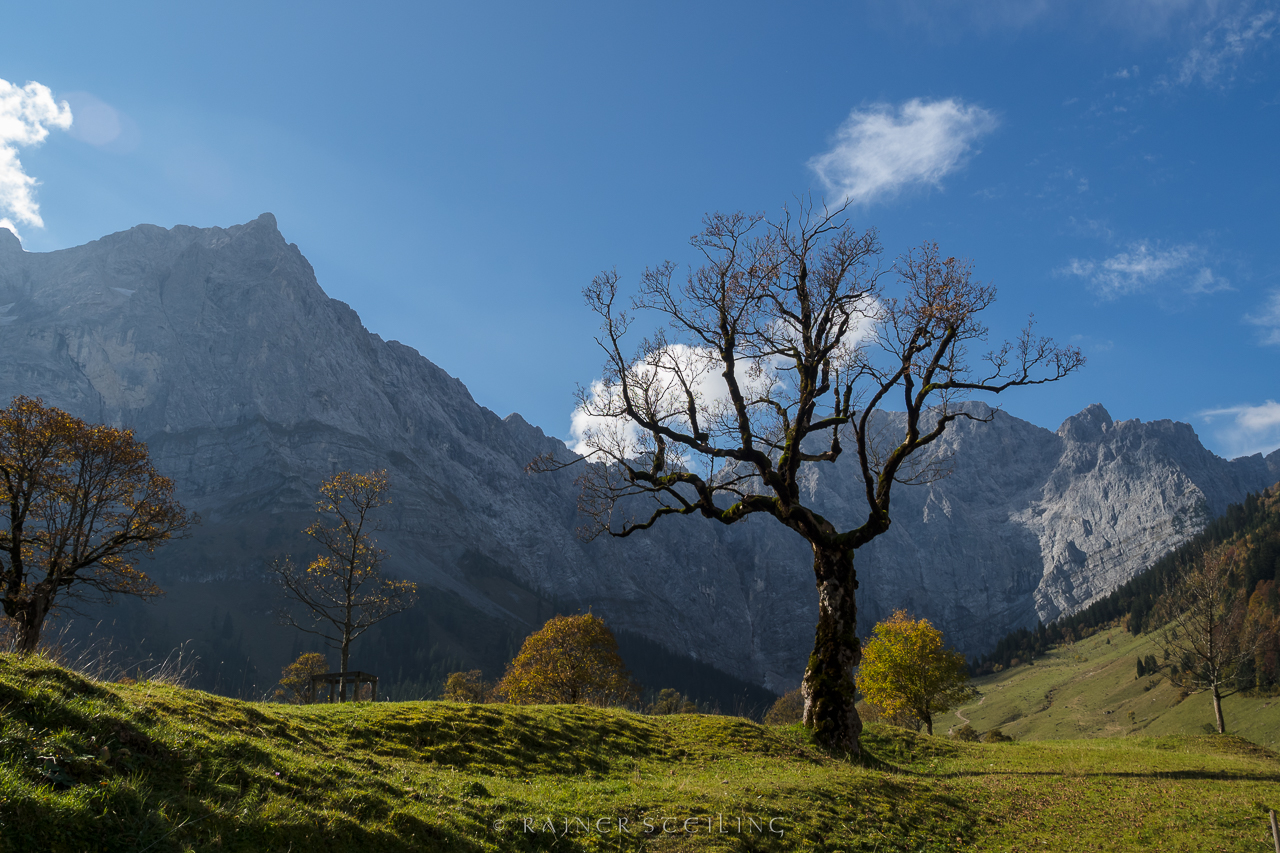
column 1125, row 774
column 142, row 824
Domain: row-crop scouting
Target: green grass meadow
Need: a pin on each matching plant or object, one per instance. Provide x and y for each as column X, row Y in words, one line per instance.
column 88, row 766
column 1089, row 688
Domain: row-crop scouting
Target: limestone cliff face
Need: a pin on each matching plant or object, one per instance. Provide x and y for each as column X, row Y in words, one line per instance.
column 1035, row 524
column 219, row 348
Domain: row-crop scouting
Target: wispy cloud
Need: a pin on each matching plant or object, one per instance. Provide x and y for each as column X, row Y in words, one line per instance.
column 1225, row 41
column 1209, row 41
column 1250, row 430
column 1269, row 319
column 1097, row 228
column 1144, row 264
column 959, row 18
column 1207, row 281
column 880, row 150
column 26, row 114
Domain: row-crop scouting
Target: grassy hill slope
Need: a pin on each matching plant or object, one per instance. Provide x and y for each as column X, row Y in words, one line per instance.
column 1088, row 689
column 146, row 768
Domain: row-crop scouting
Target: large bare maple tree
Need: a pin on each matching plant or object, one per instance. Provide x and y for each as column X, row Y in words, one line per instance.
column 780, row 348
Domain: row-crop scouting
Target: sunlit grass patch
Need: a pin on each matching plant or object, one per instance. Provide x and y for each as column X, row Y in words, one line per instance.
column 87, row 767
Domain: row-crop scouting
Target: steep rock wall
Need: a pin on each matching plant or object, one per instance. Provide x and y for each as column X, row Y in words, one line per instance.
column 220, row 349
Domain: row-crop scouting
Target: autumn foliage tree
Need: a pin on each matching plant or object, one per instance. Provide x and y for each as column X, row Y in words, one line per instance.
column 1263, row 620
column 671, row 701
column 79, row 503
column 296, row 686
column 788, row 708
column 571, row 660
column 342, row 590
column 468, row 686
column 906, row 669
column 1207, row 633
column 779, row 351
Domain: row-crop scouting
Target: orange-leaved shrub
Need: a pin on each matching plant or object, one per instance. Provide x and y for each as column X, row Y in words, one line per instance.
column 571, row 660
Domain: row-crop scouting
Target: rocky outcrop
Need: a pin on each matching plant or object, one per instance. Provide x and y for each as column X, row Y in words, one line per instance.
column 219, row 348
column 1031, row 524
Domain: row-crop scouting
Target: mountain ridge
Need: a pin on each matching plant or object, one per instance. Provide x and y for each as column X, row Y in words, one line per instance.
column 250, row 385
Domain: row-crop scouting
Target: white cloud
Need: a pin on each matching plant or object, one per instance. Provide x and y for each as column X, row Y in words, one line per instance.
column 1206, row 281
column 26, row 114
column 1142, row 265
column 583, row 425
column 700, row 368
column 1252, row 429
column 1268, row 319
column 881, row 150
column 1224, row 43
column 664, row 373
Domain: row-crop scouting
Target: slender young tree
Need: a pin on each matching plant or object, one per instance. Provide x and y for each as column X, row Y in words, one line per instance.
column 79, row 503
column 1206, row 632
column 342, row 590
column 780, row 348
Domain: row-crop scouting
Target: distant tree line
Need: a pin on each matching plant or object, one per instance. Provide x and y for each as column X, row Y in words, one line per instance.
column 1251, row 528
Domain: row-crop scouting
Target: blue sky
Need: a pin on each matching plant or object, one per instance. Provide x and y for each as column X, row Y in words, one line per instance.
column 457, row 173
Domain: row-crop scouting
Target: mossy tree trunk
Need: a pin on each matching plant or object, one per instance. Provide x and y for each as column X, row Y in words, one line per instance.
column 828, row 689
column 29, row 617
column 787, row 303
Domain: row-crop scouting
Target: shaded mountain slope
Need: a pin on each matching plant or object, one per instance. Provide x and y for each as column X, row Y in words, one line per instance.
column 250, row 385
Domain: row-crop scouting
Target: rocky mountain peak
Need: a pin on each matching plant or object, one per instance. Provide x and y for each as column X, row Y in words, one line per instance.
column 9, row 242
column 267, row 220
column 250, row 386
column 1087, row 425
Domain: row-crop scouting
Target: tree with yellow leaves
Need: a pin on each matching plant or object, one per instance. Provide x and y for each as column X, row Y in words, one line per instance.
column 905, row 668
column 468, row 687
column 571, row 660
column 342, row 589
column 79, row 503
column 296, row 686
